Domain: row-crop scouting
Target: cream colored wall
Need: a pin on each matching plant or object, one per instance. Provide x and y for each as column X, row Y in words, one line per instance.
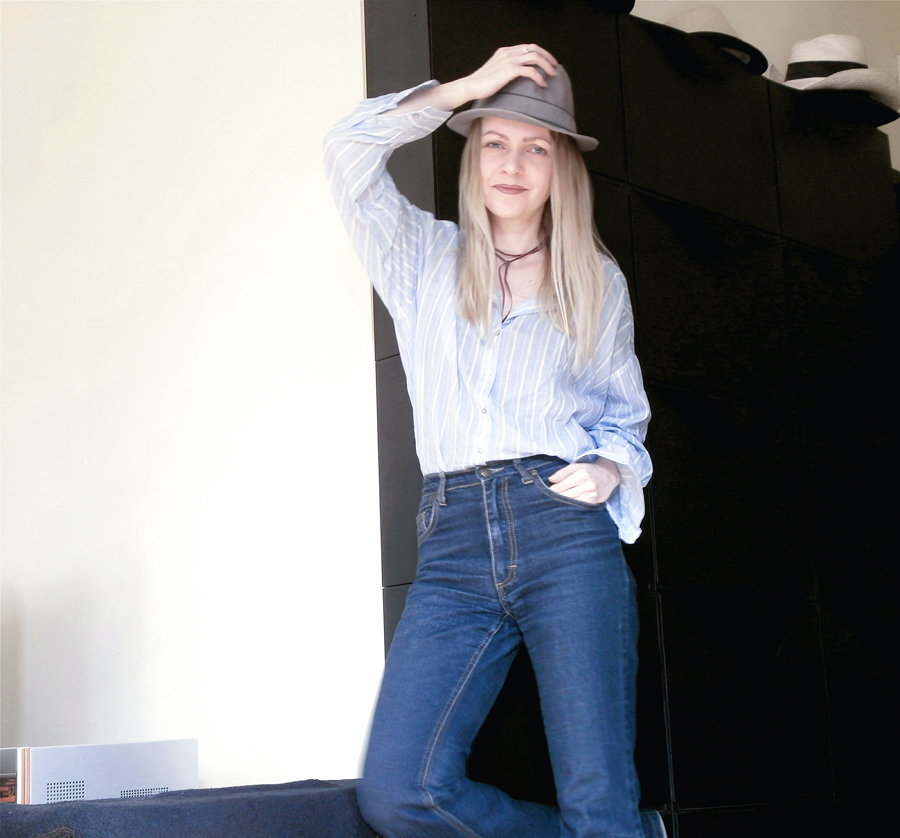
column 190, row 535
column 774, row 26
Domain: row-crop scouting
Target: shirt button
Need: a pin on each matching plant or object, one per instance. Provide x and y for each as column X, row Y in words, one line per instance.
column 484, row 410
column 479, row 450
column 415, row 116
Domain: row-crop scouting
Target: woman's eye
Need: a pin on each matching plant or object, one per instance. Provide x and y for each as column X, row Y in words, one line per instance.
column 539, row 150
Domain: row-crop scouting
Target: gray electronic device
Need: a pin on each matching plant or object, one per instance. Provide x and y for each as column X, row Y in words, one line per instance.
column 93, row 772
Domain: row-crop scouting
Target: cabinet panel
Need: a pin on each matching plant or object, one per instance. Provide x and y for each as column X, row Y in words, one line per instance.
column 697, row 124
column 746, row 699
column 400, row 477
column 710, row 301
column 730, row 508
column 834, row 178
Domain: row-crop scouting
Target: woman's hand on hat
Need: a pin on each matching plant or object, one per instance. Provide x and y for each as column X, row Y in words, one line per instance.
column 506, row 64
column 589, row 482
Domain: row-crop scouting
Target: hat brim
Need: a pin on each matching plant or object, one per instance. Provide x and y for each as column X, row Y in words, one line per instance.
column 757, row 64
column 877, row 84
column 462, row 123
column 856, row 106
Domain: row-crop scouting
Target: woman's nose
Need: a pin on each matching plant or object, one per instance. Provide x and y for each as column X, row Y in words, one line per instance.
column 512, row 163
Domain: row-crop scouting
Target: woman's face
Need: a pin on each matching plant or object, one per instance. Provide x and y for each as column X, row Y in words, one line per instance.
column 516, row 168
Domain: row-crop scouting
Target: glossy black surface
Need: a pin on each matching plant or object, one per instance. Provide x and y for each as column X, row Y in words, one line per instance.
column 834, row 178
column 697, row 124
column 819, row 819
column 711, row 300
column 612, row 217
column 729, row 495
column 746, row 698
column 759, row 240
column 400, row 477
column 394, row 599
column 383, row 330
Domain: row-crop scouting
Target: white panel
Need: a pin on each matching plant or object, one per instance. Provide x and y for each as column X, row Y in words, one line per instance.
column 191, row 536
column 96, row 772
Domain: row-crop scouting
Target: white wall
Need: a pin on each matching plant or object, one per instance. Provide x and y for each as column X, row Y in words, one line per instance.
column 774, row 26
column 190, row 536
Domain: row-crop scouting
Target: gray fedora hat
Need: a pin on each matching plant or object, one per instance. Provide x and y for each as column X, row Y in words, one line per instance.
column 523, row 100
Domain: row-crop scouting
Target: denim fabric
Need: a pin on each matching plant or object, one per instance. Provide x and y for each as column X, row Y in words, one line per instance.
column 504, row 560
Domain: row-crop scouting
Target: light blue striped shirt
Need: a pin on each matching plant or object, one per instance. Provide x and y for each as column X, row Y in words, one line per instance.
column 476, row 400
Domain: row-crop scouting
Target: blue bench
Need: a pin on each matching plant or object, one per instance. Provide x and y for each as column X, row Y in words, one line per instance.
column 304, row 809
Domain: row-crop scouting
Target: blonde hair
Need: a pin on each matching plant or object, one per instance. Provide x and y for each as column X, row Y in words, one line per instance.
column 571, row 292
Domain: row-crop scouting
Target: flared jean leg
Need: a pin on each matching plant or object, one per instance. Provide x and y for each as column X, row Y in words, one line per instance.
column 586, row 667
column 440, row 681
column 448, row 660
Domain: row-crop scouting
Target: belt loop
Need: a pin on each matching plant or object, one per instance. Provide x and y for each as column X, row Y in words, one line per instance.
column 526, row 477
column 442, row 489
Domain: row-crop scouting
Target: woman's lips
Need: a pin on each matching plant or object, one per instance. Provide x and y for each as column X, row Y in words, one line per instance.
column 507, row 189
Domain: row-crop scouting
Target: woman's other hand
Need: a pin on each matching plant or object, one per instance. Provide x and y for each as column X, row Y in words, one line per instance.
column 590, row 482
column 506, row 64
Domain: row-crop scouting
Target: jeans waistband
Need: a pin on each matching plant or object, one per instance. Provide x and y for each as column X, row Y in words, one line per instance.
column 440, row 481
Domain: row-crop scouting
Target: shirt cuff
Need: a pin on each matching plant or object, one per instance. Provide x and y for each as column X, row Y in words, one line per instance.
column 626, row 504
column 377, row 114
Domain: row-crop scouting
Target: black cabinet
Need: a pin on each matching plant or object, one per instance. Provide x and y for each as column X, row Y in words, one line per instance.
column 758, row 235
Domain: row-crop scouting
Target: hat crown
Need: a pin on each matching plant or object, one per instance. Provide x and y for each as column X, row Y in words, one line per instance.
column 553, row 103
column 709, row 23
column 829, row 48
column 702, row 19
column 524, row 100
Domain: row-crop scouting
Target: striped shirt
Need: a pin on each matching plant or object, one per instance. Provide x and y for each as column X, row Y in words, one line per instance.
column 479, row 399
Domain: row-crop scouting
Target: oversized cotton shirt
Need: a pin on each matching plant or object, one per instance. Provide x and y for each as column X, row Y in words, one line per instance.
column 478, row 398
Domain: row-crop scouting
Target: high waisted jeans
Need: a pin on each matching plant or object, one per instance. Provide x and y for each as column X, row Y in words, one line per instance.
column 504, row 560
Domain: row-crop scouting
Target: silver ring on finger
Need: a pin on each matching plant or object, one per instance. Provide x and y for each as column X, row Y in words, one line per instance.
column 525, row 49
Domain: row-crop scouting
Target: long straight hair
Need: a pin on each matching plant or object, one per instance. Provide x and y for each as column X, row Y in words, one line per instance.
column 571, row 293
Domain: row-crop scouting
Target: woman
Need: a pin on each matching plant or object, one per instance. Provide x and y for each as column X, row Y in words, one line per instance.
column 517, row 340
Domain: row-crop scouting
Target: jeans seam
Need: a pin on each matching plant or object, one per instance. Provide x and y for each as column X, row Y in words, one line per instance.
column 511, row 529
column 627, row 617
column 439, row 728
column 488, row 518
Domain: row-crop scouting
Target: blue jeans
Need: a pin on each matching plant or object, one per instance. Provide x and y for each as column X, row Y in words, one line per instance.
column 504, row 560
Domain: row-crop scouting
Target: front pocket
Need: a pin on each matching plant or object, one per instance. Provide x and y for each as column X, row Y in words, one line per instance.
column 581, row 504
column 427, row 518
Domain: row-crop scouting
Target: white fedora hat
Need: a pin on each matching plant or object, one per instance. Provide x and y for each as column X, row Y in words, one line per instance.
column 709, row 23
column 838, row 63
